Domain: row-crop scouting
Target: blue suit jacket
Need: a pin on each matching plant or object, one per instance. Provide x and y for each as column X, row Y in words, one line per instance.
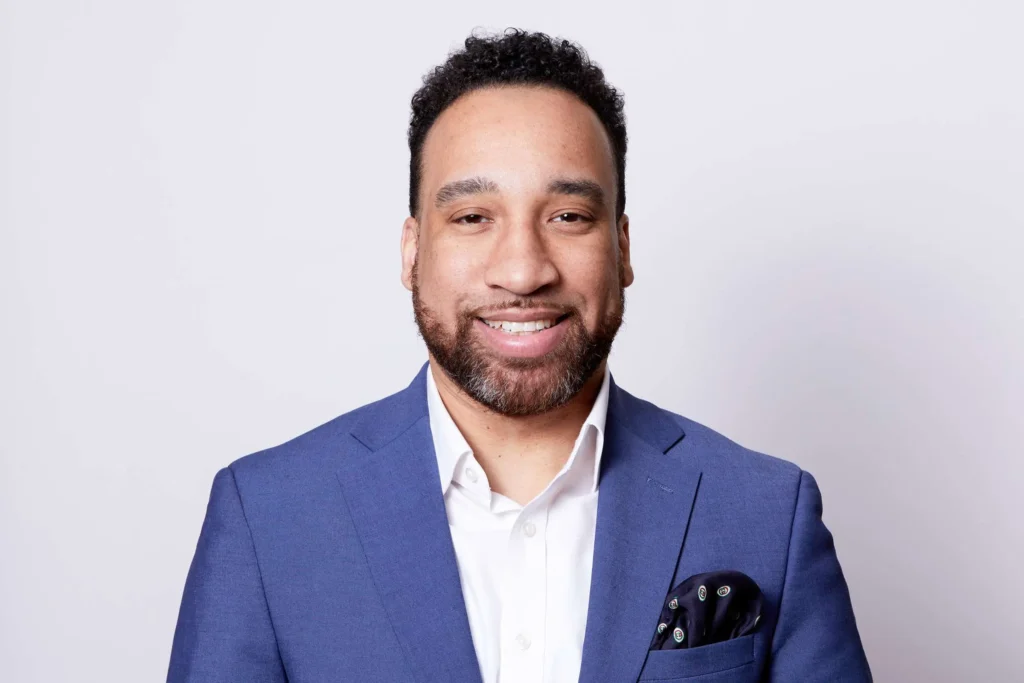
column 329, row 559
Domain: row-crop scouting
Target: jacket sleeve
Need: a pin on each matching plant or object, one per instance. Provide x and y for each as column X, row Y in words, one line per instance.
column 816, row 635
column 224, row 632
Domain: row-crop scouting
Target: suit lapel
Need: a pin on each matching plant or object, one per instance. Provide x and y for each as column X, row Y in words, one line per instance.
column 396, row 504
column 643, row 511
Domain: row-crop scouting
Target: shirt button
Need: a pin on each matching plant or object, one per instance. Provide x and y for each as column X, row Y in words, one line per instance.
column 524, row 641
column 471, row 474
column 529, row 529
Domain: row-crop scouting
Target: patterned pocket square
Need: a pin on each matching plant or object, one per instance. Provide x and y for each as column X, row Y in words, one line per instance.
column 708, row 608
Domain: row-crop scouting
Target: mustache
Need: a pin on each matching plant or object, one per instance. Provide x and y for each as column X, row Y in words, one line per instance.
column 561, row 309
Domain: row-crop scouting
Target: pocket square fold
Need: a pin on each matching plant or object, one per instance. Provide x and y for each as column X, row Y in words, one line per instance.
column 708, row 608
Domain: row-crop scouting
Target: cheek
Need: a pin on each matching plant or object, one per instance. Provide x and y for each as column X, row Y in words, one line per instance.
column 593, row 276
column 446, row 273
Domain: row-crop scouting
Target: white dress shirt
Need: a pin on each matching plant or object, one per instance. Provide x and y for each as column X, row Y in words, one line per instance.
column 525, row 570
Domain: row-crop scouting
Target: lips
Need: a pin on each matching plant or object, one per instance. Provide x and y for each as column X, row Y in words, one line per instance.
column 522, row 338
column 522, row 326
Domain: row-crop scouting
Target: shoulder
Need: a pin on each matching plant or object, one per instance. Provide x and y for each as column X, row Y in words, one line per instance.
column 725, row 460
column 721, row 451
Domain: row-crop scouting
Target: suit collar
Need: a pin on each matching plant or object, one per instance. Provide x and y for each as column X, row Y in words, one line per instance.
column 386, row 419
column 647, row 421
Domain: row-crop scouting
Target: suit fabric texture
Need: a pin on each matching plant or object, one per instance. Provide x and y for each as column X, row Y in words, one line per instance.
column 329, row 559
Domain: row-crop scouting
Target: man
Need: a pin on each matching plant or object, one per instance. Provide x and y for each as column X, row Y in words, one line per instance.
column 513, row 515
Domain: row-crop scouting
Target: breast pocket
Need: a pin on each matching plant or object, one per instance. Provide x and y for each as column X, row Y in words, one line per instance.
column 676, row 665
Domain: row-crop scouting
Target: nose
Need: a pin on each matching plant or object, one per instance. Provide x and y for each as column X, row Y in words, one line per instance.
column 520, row 260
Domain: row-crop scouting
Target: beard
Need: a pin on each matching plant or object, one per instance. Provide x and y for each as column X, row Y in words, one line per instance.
column 518, row 386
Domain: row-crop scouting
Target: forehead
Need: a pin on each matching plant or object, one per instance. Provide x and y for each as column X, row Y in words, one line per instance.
column 517, row 135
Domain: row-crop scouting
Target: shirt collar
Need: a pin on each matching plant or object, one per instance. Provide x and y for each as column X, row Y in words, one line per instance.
column 451, row 447
column 449, row 444
column 596, row 420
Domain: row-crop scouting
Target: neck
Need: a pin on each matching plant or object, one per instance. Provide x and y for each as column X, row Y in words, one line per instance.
column 519, row 454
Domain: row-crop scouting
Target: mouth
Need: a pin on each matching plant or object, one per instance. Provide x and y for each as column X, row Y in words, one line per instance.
column 523, row 327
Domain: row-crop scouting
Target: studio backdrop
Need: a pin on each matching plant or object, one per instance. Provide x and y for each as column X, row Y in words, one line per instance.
column 200, row 211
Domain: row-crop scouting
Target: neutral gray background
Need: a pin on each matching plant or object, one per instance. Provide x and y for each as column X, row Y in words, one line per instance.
column 201, row 203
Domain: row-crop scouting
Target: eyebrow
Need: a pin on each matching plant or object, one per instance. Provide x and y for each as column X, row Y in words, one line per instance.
column 457, row 189
column 587, row 189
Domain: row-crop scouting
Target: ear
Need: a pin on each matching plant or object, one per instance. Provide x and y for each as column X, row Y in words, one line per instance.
column 627, row 267
column 410, row 247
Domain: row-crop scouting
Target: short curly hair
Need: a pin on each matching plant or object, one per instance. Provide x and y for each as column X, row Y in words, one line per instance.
column 516, row 57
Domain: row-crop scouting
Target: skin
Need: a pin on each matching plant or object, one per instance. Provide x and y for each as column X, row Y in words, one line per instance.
column 517, row 238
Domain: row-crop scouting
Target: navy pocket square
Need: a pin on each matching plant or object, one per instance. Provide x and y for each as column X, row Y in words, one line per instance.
column 708, row 608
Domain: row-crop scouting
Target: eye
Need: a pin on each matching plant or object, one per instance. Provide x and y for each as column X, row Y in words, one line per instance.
column 570, row 217
column 470, row 219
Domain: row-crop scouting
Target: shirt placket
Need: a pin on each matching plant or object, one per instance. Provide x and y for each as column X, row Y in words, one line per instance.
column 523, row 621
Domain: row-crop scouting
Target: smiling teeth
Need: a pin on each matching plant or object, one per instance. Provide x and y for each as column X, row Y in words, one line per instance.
column 520, row 328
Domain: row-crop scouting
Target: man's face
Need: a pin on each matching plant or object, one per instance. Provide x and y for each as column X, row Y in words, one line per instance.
column 516, row 261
